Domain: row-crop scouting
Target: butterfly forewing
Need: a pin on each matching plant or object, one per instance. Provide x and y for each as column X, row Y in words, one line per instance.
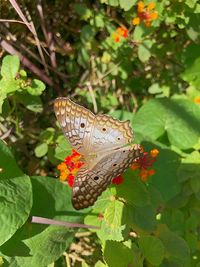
column 88, row 133
column 89, row 184
column 76, row 122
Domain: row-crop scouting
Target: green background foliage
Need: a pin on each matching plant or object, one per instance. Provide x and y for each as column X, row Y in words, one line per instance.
column 151, row 78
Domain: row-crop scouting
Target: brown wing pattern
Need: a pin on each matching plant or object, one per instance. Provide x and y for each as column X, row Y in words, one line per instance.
column 89, row 184
column 76, row 122
column 88, row 133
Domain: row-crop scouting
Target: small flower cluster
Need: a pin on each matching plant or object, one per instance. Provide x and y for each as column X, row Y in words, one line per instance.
column 70, row 167
column 144, row 164
column 121, row 32
column 145, row 13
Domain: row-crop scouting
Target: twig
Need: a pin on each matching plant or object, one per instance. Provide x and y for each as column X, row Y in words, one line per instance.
column 88, row 84
column 67, row 259
column 31, row 28
column 26, row 62
column 42, row 220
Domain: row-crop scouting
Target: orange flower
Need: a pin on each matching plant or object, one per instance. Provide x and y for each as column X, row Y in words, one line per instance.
column 154, row 153
column 145, row 13
column 69, row 168
column 197, row 100
column 120, row 32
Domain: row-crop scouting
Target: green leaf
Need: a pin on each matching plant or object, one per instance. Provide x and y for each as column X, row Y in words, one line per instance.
column 8, row 166
column 31, row 102
column 113, row 2
column 10, row 67
column 133, row 190
column 41, row 150
column 36, row 88
column 144, row 52
column 99, row 264
column 99, row 21
column 180, row 119
column 166, row 166
column 192, row 73
column 117, row 254
column 111, row 228
column 152, row 249
column 63, row 148
column 83, row 57
column 142, row 218
column 87, row 34
column 47, row 135
column 83, row 11
column 16, row 203
column 40, row 245
column 7, row 87
column 176, row 247
column 127, row 4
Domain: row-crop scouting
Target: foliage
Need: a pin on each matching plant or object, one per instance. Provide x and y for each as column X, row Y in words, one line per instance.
column 114, row 57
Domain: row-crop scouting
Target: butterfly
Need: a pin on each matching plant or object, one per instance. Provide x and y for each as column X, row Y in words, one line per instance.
column 104, row 143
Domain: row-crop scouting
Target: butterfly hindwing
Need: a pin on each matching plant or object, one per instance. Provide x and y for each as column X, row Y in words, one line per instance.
column 89, row 184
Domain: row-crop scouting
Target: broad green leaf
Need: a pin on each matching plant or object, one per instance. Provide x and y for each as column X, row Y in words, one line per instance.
column 175, row 246
column 152, row 249
column 15, row 205
column 166, row 166
column 133, row 190
column 39, row 245
column 111, row 227
column 127, row 4
column 36, row 88
column 190, row 169
column 178, row 117
column 142, row 218
column 44, row 248
column 192, row 73
column 10, row 67
column 41, row 150
column 117, row 254
column 63, row 148
column 8, row 166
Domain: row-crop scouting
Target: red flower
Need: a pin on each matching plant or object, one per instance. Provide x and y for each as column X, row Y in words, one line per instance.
column 70, row 180
column 120, row 32
column 144, row 163
column 117, row 180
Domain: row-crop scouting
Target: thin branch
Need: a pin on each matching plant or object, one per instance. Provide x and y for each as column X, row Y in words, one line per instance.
column 31, row 28
column 88, row 84
column 26, row 62
column 42, row 220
